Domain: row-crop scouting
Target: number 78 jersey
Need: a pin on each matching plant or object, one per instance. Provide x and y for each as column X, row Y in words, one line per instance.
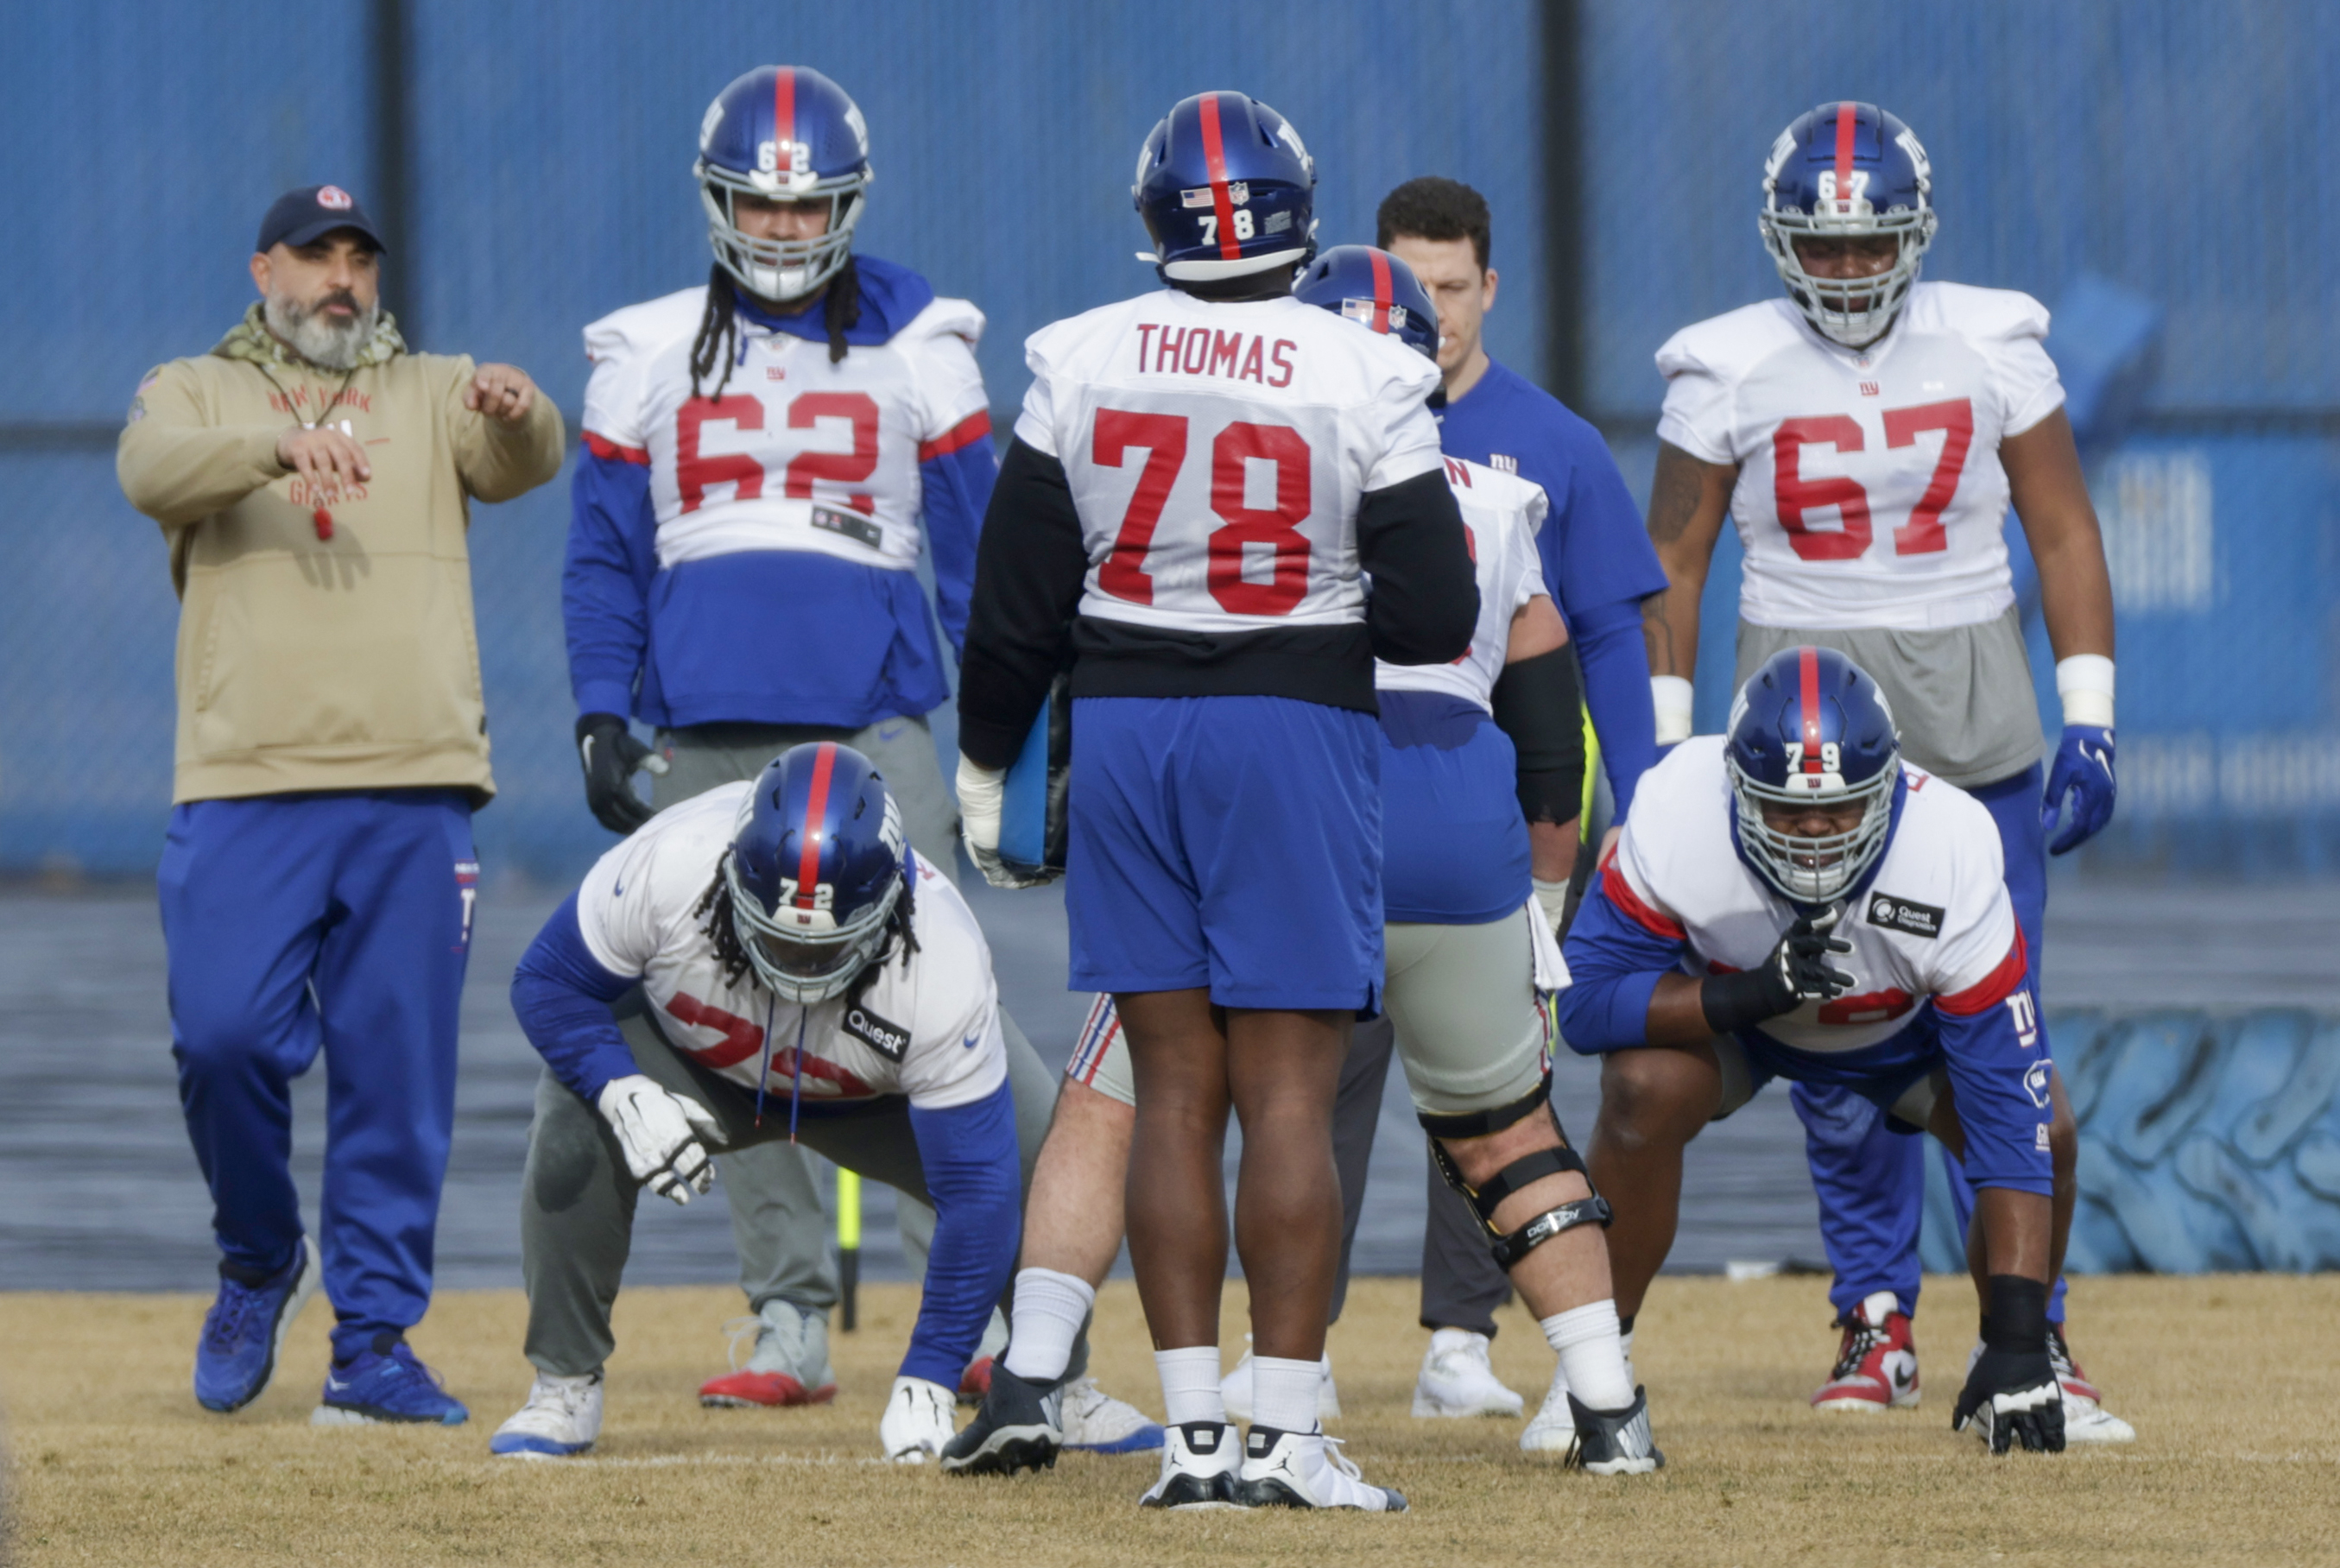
column 1869, row 491
column 1217, row 453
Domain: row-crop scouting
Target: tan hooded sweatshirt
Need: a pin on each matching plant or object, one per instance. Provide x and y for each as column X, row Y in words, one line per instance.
column 325, row 641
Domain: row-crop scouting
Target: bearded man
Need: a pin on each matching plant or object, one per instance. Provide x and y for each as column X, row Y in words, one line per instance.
column 313, row 480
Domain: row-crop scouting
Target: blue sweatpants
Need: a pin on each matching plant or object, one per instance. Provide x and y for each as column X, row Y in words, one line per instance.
column 337, row 920
column 1872, row 1180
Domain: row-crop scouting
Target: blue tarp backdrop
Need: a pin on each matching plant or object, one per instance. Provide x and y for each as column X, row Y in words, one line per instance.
column 2169, row 148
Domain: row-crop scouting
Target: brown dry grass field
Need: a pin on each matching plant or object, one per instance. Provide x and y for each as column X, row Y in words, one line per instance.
column 2232, row 1383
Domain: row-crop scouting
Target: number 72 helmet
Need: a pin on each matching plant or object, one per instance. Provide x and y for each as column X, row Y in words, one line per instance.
column 816, row 869
column 1811, row 727
column 1848, row 171
column 1375, row 289
column 1225, row 189
column 786, row 134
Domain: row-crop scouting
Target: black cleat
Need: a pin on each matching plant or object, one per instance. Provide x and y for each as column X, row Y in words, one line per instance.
column 1019, row 1427
column 1613, row 1442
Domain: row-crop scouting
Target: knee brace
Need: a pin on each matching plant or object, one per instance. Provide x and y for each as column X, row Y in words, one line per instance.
column 1528, row 1168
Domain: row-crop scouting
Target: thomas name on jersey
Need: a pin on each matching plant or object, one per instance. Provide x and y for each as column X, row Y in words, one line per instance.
column 1200, row 351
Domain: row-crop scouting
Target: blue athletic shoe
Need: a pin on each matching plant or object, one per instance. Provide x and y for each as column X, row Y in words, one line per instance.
column 389, row 1383
column 245, row 1329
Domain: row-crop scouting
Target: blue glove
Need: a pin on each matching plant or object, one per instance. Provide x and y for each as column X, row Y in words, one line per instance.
column 2083, row 770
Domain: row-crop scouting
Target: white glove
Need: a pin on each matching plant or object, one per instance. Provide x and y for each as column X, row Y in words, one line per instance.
column 982, row 794
column 666, row 1136
column 919, row 1419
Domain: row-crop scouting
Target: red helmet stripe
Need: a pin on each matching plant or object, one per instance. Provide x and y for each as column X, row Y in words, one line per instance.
column 1215, row 154
column 1382, row 291
column 1809, row 667
column 823, row 763
column 784, row 109
column 1844, row 123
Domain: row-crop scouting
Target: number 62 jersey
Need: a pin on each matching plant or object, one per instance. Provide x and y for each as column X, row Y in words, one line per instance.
column 1869, row 489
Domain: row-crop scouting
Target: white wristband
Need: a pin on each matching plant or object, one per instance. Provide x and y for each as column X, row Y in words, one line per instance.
column 1672, row 695
column 2085, row 683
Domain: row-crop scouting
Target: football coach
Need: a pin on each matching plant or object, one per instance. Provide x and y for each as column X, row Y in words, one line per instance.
column 314, row 482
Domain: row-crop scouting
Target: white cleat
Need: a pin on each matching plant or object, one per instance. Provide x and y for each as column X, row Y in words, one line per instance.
column 1306, row 1470
column 1553, row 1430
column 1235, row 1390
column 563, row 1416
column 1457, row 1380
column 1094, row 1422
column 1200, row 1462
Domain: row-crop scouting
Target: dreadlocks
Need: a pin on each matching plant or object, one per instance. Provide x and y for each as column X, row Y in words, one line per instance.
column 714, row 911
column 718, row 341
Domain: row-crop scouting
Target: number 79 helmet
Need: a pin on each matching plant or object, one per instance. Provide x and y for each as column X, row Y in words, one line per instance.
column 1811, row 727
column 1848, row 171
column 785, row 133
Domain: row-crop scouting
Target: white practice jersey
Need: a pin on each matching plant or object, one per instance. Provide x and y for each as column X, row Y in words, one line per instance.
column 927, row 1028
column 1216, row 454
column 1933, row 921
column 1502, row 514
column 1869, row 488
column 798, row 453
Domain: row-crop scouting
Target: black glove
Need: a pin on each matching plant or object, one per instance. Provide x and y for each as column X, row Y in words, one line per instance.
column 1795, row 972
column 610, row 754
column 2012, row 1395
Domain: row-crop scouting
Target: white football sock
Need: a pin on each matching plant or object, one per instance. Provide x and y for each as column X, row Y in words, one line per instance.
column 1284, row 1393
column 1190, row 1385
column 1592, row 1355
column 1050, row 1308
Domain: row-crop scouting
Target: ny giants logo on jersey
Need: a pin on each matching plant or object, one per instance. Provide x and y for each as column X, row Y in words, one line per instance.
column 1200, row 352
column 2025, row 1014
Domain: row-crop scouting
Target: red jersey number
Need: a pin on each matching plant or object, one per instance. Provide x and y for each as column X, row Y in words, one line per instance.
column 1243, row 526
column 1793, row 494
column 695, row 470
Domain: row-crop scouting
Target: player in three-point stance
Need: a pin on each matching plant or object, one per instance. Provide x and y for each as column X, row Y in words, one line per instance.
column 777, row 438
column 1200, row 480
column 1791, row 900
column 1866, row 433
column 766, row 962
column 1466, row 750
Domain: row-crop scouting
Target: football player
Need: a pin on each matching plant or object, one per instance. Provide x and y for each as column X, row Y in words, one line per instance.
column 767, row 963
column 1792, row 900
column 1866, row 435
column 1598, row 566
column 777, row 437
column 1466, row 750
column 1200, row 480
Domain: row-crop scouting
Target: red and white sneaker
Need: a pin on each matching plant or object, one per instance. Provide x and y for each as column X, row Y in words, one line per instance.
column 1877, row 1367
column 975, row 1382
column 2085, row 1419
column 790, row 1365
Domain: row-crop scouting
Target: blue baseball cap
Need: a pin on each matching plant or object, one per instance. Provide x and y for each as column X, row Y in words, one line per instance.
column 313, row 212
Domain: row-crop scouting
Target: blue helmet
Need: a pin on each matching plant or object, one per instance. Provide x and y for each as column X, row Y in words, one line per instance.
column 1848, row 171
column 1375, row 288
column 816, row 869
column 1811, row 727
column 1225, row 189
column 786, row 134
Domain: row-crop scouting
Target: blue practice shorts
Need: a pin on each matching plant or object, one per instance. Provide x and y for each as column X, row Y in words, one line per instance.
column 2006, row 1128
column 1454, row 847
column 1233, row 842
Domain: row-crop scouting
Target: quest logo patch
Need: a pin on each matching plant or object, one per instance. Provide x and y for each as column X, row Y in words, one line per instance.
column 1902, row 915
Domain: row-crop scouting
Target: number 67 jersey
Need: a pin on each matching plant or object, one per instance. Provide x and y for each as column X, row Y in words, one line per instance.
column 1216, row 453
column 1869, row 489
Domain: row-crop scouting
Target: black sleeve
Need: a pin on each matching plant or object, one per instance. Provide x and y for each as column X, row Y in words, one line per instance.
column 1538, row 703
column 1425, row 597
column 1028, row 569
